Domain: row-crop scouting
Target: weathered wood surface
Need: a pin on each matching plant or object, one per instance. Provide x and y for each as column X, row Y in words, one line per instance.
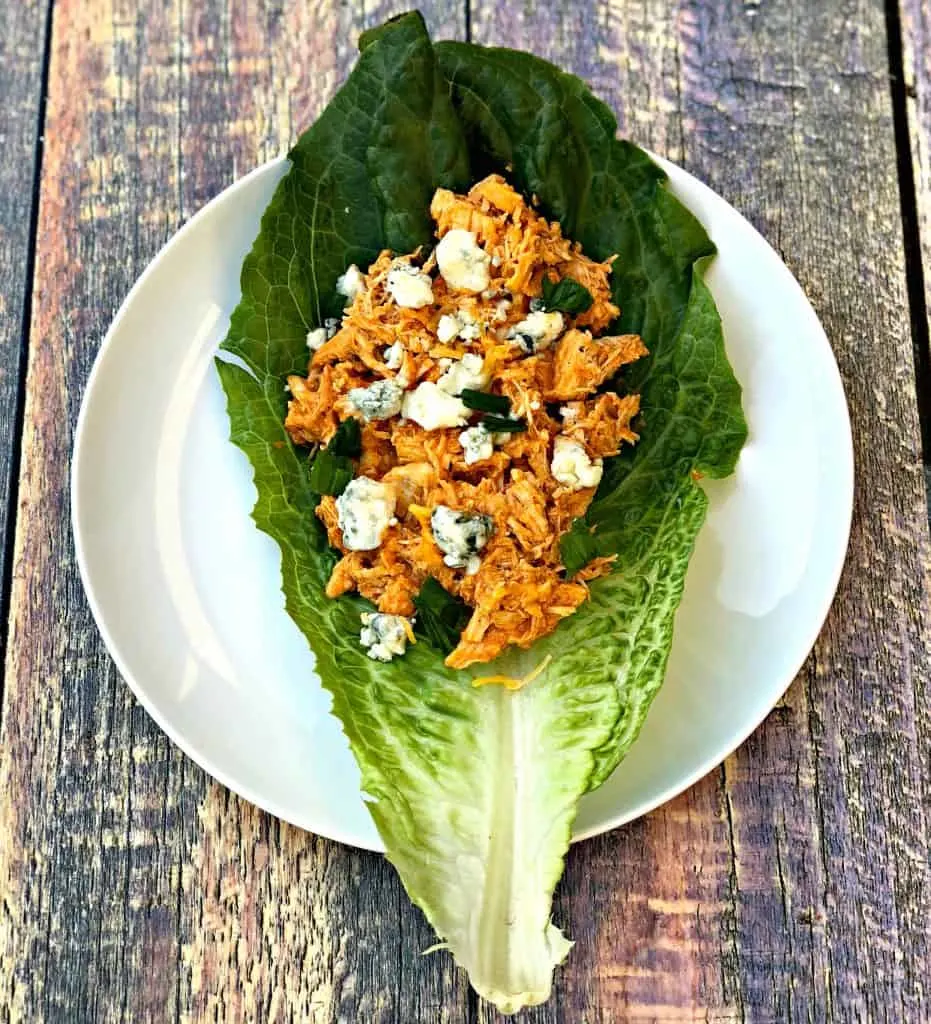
column 912, row 92
column 132, row 889
column 808, row 852
column 22, row 63
column 792, row 884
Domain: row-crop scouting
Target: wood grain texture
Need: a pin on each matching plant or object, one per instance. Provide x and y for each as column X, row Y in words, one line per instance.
column 915, row 27
column 808, row 852
column 133, row 889
column 22, row 56
column 791, row 885
column 914, row 92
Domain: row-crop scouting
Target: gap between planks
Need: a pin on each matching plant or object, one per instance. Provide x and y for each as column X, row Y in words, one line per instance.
column 911, row 235
column 7, row 543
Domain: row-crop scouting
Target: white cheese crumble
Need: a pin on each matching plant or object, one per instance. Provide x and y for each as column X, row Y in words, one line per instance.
column 319, row 336
column 568, row 413
column 379, row 401
column 364, row 511
column 476, row 444
column 350, row 284
column 316, row 338
column 384, row 636
column 502, row 308
column 537, row 331
column 409, row 286
column 460, row 536
column 457, row 325
column 394, row 356
column 462, row 262
column 467, row 372
column 447, row 328
column 572, row 467
column 433, row 408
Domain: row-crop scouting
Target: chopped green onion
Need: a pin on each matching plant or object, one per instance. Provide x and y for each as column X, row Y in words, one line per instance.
column 566, row 296
column 481, row 401
column 577, row 547
column 441, row 617
column 347, row 440
column 503, row 425
column 330, row 473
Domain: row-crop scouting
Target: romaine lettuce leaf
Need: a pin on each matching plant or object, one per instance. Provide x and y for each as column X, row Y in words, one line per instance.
column 474, row 790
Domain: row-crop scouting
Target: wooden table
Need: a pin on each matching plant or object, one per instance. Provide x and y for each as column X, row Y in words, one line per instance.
column 791, row 884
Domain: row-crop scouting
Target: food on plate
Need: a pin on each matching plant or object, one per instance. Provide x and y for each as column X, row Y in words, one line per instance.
column 479, row 379
column 485, row 417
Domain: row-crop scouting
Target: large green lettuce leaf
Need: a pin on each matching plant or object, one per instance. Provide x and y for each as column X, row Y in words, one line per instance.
column 474, row 790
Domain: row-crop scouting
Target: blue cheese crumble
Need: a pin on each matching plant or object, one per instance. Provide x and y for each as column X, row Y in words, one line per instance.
column 432, row 408
column 409, row 286
column 457, row 325
column 462, row 262
column 364, row 511
column 394, row 356
column 537, row 331
column 460, row 536
column 316, row 338
column 384, row 636
column 476, row 444
column 350, row 284
column 379, row 401
column 319, row 336
column 572, row 467
column 467, row 372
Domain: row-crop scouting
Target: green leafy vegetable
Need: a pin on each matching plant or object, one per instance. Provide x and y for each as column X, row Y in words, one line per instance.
column 348, row 439
column 474, row 789
column 481, row 401
column 329, row 473
column 441, row 617
column 503, row 424
column 566, row 296
column 332, row 468
column 577, row 547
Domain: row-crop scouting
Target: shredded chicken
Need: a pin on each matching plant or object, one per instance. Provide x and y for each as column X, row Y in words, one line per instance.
column 517, row 589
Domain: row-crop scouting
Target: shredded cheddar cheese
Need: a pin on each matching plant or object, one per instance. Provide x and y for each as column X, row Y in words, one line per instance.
column 509, row 682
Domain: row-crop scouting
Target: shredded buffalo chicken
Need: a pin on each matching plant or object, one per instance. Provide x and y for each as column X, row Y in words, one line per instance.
column 518, row 592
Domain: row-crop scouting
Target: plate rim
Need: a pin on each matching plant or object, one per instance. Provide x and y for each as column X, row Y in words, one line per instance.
column 79, row 451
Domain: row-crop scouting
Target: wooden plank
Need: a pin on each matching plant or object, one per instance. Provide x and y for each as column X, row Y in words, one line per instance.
column 132, row 887
column 805, row 858
column 22, row 59
column 911, row 87
column 915, row 31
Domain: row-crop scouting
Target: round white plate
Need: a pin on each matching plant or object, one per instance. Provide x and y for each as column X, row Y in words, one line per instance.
column 185, row 589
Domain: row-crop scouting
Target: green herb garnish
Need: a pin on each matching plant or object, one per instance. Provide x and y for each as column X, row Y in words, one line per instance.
column 566, row 296
column 441, row 617
column 481, row 401
column 503, row 425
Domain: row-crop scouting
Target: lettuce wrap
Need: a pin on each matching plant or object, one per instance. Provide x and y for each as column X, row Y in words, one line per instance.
column 474, row 790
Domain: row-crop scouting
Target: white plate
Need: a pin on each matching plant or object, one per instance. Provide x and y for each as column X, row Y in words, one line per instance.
column 185, row 589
